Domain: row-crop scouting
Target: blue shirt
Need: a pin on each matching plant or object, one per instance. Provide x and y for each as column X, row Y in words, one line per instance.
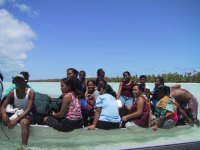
column 109, row 108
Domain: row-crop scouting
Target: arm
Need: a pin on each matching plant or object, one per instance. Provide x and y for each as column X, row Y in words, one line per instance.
column 5, row 118
column 96, row 118
column 119, row 91
column 138, row 113
column 190, row 122
column 65, row 103
column 27, row 110
column 157, row 124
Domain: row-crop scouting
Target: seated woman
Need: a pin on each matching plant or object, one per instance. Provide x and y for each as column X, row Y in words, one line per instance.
column 106, row 110
column 21, row 98
column 166, row 110
column 88, row 106
column 69, row 117
column 124, row 93
column 139, row 116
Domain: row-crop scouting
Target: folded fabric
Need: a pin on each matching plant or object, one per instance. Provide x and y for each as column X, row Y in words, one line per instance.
column 15, row 111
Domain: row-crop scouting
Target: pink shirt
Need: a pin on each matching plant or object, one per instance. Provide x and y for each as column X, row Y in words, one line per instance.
column 74, row 109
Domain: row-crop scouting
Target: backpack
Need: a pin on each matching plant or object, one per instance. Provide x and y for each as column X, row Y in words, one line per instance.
column 41, row 104
column 56, row 104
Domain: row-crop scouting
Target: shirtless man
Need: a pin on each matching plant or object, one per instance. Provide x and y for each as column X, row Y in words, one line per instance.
column 187, row 105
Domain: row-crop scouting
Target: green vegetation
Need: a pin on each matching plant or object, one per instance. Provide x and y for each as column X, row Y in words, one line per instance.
column 169, row 77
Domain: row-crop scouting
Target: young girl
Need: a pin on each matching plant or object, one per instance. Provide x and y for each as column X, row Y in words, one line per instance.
column 88, row 110
column 69, row 117
column 139, row 117
column 106, row 110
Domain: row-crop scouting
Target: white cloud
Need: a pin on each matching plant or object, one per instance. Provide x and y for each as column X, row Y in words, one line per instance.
column 26, row 9
column 22, row 7
column 16, row 39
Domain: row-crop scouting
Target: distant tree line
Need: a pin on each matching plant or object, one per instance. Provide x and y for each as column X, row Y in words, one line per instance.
column 169, row 77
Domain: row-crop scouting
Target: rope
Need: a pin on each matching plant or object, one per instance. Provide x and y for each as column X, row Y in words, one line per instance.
column 4, row 132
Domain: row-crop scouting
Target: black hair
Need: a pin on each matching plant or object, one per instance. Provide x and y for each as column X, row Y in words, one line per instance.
column 82, row 71
column 126, row 72
column 74, row 83
column 99, row 71
column 143, row 76
column 99, row 80
column 140, row 87
column 164, row 89
column 110, row 91
column 25, row 74
column 1, row 76
column 162, row 81
column 91, row 81
column 74, row 71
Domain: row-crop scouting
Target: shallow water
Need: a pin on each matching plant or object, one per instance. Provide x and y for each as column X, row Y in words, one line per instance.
column 81, row 139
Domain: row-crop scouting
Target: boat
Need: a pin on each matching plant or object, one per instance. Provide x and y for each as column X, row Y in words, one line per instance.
column 123, row 139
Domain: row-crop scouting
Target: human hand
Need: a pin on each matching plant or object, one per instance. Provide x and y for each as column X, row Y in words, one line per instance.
column 124, row 118
column 155, row 128
column 91, row 127
column 12, row 124
column 89, row 96
column 53, row 113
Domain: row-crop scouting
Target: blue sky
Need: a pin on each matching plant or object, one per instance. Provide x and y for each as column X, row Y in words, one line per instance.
column 142, row 36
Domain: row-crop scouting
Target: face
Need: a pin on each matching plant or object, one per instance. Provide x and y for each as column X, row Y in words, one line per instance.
column 142, row 80
column 82, row 75
column 20, row 83
column 90, row 86
column 126, row 77
column 157, row 83
column 64, row 88
column 102, row 74
column 136, row 92
column 100, row 85
column 70, row 74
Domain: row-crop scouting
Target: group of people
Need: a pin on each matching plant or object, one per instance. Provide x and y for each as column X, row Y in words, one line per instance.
column 94, row 104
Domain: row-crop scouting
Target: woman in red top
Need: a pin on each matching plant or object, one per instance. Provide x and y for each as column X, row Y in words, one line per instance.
column 125, row 91
column 140, row 110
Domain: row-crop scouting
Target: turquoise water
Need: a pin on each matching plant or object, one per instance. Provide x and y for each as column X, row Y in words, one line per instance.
column 82, row 139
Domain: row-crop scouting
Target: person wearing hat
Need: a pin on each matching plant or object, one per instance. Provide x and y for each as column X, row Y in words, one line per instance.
column 22, row 98
column 13, row 86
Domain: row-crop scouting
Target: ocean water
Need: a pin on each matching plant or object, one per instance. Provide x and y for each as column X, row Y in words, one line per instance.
column 42, row 138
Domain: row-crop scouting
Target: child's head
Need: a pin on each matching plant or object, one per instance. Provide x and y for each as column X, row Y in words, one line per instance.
column 163, row 91
column 91, row 86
